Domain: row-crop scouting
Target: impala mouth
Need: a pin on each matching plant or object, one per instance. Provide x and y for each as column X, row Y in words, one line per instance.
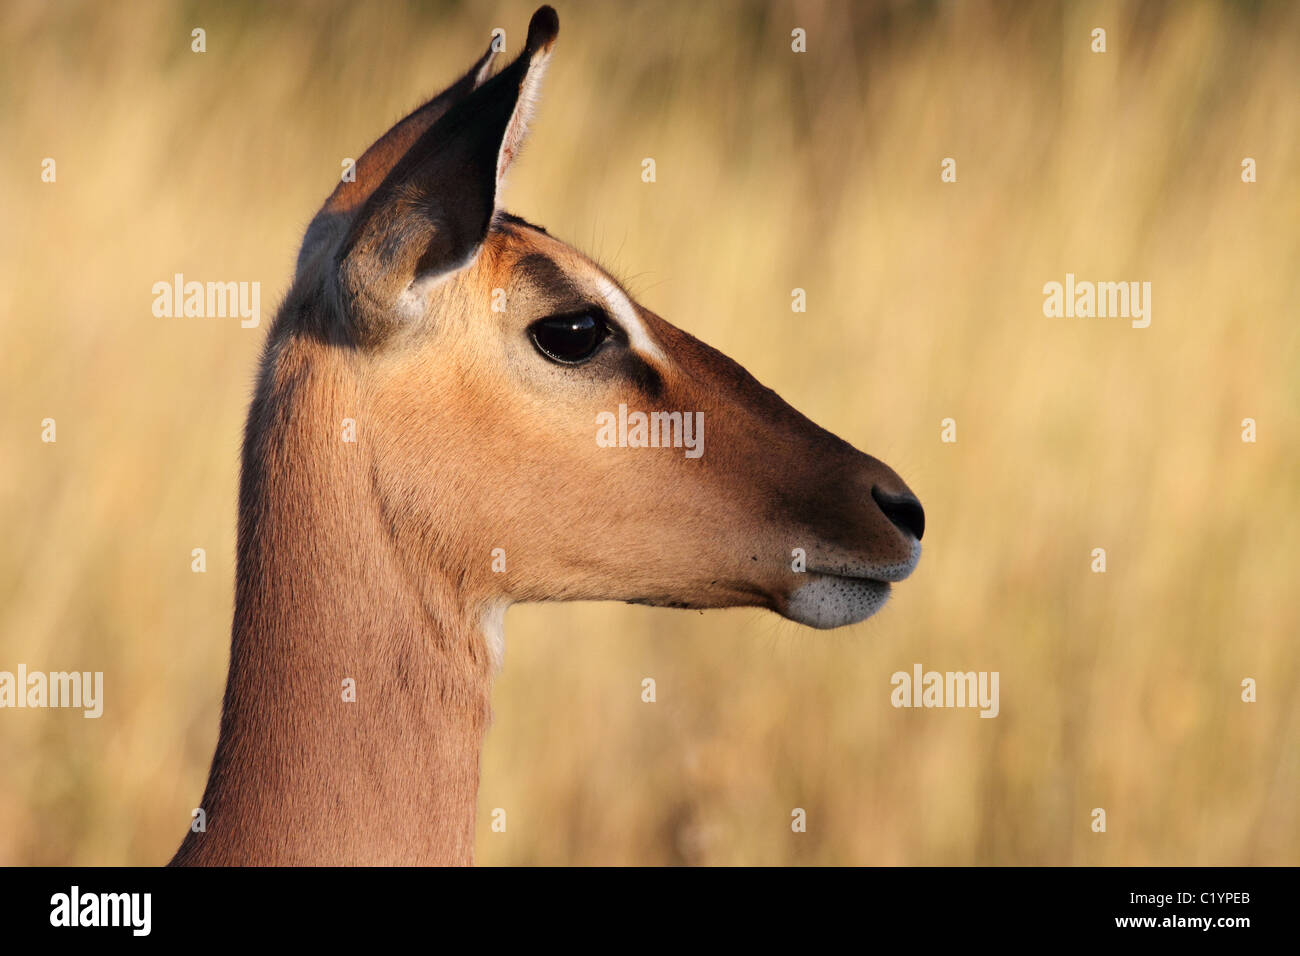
column 836, row 595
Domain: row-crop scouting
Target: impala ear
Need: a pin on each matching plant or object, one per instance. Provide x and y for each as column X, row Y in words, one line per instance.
column 543, row 28
column 378, row 161
column 433, row 210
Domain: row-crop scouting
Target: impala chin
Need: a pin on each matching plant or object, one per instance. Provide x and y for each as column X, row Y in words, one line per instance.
column 828, row 600
column 846, row 594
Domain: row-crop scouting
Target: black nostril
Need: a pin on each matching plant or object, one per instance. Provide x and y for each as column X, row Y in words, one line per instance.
column 903, row 510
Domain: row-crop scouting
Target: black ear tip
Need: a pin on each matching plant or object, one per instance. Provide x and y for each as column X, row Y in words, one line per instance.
column 543, row 28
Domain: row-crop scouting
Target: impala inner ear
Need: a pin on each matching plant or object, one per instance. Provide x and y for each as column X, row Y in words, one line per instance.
column 543, row 28
column 433, row 210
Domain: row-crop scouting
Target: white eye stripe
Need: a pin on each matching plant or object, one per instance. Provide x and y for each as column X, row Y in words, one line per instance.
column 621, row 309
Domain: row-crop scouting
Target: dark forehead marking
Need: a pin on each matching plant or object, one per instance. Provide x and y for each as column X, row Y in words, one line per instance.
column 541, row 271
column 507, row 220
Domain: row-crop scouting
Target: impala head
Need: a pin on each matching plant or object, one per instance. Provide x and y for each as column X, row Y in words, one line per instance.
column 491, row 355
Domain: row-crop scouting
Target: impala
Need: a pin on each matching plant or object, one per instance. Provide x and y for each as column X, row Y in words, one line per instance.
column 415, row 461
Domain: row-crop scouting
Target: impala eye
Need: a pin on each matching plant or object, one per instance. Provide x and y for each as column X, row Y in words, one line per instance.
column 569, row 339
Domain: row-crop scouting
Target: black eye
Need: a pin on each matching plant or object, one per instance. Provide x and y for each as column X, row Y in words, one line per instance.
column 569, row 339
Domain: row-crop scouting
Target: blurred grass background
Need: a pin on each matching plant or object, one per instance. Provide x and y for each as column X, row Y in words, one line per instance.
column 775, row 171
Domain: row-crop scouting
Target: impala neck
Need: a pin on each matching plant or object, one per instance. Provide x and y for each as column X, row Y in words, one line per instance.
column 301, row 775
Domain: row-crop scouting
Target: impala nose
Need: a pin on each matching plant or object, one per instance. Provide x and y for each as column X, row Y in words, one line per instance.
column 903, row 510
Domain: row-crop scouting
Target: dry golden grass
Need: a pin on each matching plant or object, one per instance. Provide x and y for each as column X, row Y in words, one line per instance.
column 774, row 171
